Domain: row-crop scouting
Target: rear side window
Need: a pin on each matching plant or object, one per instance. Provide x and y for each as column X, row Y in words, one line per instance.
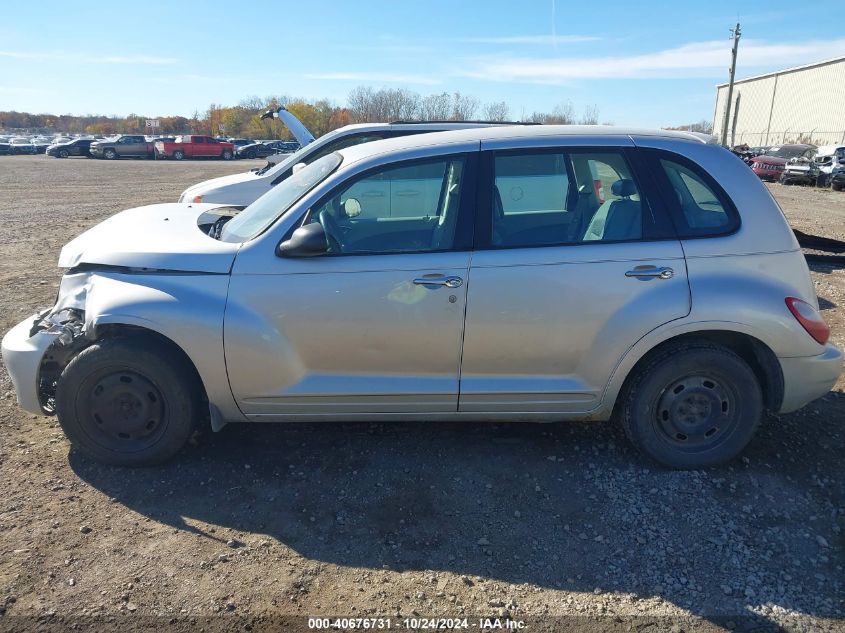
column 551, row 198
column 705, row 210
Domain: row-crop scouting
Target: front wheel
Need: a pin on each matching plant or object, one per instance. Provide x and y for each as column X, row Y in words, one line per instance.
column 127, row 402
column 63, row 153
column 110, row 154
column 178, row 154
column 227, row 154
column 692, row 405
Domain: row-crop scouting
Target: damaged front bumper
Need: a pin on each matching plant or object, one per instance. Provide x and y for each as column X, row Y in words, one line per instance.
column 34, row 352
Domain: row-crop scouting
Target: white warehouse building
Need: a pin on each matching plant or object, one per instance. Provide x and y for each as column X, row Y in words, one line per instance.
column 803, row 104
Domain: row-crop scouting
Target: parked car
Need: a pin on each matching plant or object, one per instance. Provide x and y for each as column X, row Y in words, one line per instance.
column 240, row 142
column 40, row 145
column 837, row 181
column 801, row 170
column 77, row 147
column 21, row 146
column 5, row 147
column 257, row 150
column 243, row 189
column 682, row 303
column 829, row 159
column 124, row 146
column 194, row 146
column 771, row 165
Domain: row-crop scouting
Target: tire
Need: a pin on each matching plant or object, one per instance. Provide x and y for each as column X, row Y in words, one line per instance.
column 128, row 401
column 836, row 186
column 692, row 405
column 822, row 180
column 226, row 155
column 63, row 153
column 109, row 154
column 178, row 154
column 251, row 154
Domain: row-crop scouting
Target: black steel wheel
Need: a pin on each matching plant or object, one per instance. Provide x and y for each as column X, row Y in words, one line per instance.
column 128, row 401
column 691, row 405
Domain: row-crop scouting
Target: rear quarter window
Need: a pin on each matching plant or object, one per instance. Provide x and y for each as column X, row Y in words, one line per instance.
column 698, row 204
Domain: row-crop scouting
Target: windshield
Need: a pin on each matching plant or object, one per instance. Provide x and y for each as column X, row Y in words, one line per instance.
column 787, row 151
column 273, row 204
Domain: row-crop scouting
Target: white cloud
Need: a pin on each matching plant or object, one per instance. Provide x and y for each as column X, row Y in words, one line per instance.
column 89, row 59
column 697, row 59
column 375, row 77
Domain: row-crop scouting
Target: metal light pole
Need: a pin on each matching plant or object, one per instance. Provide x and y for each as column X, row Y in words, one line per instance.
column 736, row 33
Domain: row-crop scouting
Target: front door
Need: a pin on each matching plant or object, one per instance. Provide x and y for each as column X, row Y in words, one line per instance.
column 577, row 267
column 376, row 324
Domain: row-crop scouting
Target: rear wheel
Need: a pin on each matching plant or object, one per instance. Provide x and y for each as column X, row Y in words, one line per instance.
column 110, row 154
column 692, row 405
column 178, row 154
column 128, row 402
column 837, row 186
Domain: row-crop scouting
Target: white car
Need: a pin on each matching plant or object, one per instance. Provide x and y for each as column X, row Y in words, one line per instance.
column 244, row 189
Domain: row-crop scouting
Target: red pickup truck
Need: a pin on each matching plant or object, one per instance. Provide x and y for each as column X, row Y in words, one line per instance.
column 194, row 146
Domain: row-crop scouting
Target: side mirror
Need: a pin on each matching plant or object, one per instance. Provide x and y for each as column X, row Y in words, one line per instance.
column 308, row 240
column 297, row 167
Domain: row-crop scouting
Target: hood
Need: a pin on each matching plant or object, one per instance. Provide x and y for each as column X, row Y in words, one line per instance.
column 301, row 133
column 159, row 236
column 214, row 183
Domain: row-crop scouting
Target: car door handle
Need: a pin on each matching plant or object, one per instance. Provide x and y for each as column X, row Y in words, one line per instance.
column 648, row 272
column 439, row 280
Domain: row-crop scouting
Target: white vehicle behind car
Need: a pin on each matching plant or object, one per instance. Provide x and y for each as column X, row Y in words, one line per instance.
column 244, row 189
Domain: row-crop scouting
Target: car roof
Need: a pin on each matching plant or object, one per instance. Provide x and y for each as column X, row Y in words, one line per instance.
column 508, row 132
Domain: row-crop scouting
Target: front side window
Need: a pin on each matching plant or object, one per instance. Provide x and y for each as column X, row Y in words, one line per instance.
column 554, row 198
column 409, row 208
column 703, row 212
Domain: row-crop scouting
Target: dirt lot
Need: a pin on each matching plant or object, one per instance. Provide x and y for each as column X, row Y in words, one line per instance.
column 562, row 526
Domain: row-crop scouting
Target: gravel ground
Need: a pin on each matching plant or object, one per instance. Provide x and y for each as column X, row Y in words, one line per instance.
column 563, row 526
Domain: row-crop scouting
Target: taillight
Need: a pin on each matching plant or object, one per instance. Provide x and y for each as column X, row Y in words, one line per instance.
column 809, row 318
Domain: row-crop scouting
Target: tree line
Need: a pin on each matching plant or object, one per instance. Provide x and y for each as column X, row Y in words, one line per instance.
column 364, row 105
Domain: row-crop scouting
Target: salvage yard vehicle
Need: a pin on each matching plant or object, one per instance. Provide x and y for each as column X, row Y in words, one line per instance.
column 76, row 147
column 22, row 146
column 800, row 170
column 466, row 275
column 123, row 146
column 259, row 150
column 830, row 160
column 770, row 166
column 194, row 146
column 243, row 189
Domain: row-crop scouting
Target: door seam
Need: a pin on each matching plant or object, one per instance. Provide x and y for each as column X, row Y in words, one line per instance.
column 463, row 330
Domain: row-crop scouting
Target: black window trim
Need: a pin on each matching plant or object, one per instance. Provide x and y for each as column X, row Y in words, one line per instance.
column 656, row 228
column 464, row 233
column 653, row 157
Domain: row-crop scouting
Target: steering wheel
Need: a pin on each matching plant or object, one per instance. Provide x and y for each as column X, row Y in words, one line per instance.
column 333, row 231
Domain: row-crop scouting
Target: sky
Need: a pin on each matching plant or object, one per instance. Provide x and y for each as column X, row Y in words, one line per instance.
column 648, row 62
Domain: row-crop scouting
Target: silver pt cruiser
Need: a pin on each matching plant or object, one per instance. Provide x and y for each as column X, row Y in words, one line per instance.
column 529, row 274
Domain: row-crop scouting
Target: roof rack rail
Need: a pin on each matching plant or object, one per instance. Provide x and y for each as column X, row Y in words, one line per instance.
column 403, row 122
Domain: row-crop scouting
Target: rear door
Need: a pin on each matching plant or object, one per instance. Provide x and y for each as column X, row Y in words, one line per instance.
column 563, row 283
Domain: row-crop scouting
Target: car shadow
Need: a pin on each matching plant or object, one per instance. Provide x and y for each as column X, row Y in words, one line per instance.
column 563, row 506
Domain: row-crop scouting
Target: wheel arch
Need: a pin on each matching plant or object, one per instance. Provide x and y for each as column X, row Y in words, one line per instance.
column 108, row 328
column 757, row 354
